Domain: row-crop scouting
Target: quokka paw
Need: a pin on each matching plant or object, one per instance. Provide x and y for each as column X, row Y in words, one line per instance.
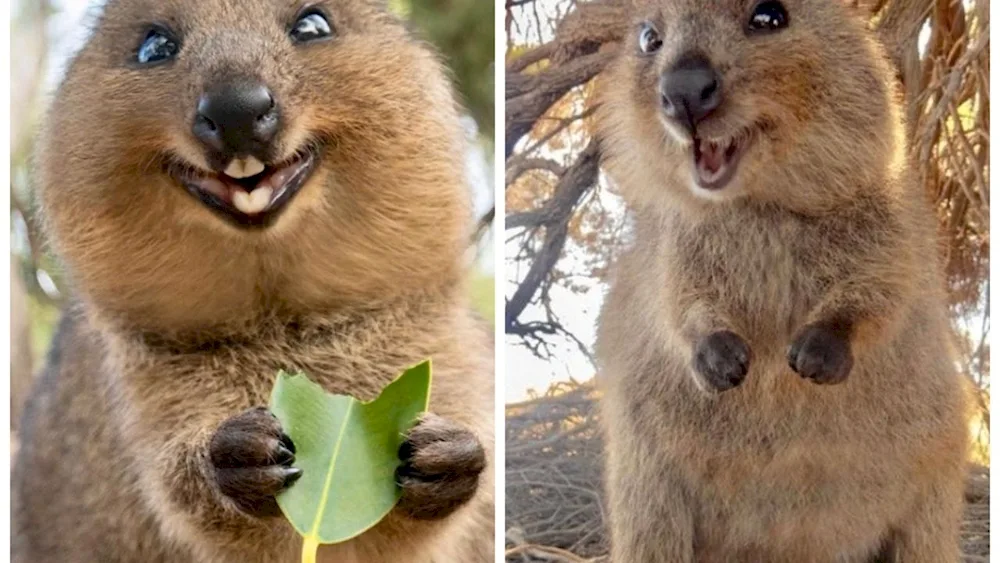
column 822, row 354
column 722, row 360
column 441, row 465
column 252, row 460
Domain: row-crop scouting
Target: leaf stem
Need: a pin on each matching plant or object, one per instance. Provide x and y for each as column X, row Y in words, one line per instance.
column 310, row 545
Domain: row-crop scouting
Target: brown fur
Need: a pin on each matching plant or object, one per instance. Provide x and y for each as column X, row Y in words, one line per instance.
column 822, row 243
column 183, row 319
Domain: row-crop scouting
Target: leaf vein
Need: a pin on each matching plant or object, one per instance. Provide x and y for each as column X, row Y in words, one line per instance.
column 324, row 497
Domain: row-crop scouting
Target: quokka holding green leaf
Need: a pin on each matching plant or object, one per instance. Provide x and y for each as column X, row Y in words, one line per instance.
column 236, row 189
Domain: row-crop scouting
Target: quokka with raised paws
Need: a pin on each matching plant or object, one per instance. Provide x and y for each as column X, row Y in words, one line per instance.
column 237, row 188
column 774, row 350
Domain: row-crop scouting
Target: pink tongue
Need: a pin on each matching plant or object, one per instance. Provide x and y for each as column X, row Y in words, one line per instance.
column 219, row 187
column 216, row 187
column 712, row 157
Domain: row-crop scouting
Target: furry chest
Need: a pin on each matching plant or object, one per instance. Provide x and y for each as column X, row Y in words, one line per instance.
column 757, row 280
column 249, row 368
column 801, row 496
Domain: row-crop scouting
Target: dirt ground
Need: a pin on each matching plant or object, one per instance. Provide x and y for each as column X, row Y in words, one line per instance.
column 553, row 501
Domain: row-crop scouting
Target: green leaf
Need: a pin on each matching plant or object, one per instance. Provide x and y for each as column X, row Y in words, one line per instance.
column 348, row 453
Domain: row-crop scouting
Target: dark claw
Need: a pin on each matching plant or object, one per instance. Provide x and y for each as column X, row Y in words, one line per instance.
column 283, row 455
column 292, row 475
column 406, row 450
column 287, row 442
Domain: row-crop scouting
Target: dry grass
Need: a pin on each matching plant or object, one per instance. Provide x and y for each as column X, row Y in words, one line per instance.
column 553, row 498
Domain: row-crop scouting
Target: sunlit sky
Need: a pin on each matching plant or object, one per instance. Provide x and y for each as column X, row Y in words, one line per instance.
column 577, row 312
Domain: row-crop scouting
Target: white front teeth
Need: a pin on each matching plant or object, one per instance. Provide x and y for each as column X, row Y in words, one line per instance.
column 253, row 202
column 240, row 168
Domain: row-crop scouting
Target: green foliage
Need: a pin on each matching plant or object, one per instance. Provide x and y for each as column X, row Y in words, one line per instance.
column 348, row 453
column 482, row 294
column 462, row 30
column 44, row 318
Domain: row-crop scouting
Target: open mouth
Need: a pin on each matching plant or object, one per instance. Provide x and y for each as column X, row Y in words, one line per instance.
column 716, row 161
column 249, row 192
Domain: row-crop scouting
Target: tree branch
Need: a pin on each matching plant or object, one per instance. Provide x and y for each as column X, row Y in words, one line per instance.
column 554, row 216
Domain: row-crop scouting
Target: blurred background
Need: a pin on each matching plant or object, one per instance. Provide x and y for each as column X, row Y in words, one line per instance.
column 44, row 33
column 565, row 223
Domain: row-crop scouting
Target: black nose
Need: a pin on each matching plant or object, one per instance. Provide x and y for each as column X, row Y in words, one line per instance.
column 236, row 118
column 691, row 90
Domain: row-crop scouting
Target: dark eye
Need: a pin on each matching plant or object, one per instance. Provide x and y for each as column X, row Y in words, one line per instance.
column 310, row 27
column 649, row 39
column 158, row 46
column 769, row 15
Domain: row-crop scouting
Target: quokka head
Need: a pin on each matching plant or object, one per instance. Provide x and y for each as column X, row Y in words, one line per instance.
column 205, row 147
column 780, row 100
